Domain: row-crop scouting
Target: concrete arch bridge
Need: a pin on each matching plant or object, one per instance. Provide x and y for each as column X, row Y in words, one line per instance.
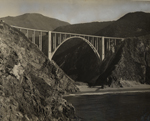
column 50, row 41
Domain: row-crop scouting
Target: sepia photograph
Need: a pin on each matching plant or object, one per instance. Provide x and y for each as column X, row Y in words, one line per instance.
column 74, row 60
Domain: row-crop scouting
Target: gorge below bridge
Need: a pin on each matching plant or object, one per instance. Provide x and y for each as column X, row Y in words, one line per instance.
column 78, row 55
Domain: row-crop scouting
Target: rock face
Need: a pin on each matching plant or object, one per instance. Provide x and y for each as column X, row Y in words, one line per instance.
column 131, row 63
column 31, row 86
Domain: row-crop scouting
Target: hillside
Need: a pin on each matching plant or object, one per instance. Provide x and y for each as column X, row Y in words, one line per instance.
column 31, row 86
column 130, row 25
column 84, row 28
column 34, row 21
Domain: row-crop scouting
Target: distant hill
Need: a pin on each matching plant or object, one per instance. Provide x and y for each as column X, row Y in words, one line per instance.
column 130, row 25
column 35, row 21
column 84, row 28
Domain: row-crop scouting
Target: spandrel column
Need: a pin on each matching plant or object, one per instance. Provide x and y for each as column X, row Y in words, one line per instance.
column 49, row 45
column 40, row 41
column 103, row 48
column 33, row 37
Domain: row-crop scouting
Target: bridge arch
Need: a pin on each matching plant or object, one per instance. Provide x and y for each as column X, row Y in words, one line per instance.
column 76, row 37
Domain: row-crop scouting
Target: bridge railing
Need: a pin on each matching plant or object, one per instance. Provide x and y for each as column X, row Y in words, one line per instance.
column 102, row 44
column 61, row 36
column 49, row 43
column 35, row 35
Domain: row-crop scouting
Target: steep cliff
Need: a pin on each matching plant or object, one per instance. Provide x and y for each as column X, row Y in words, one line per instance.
column 129, row 65
column 31, row 86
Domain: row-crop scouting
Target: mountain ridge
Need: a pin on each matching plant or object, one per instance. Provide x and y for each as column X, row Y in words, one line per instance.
column 84, row 28
column 34, row 21
column 130, row 25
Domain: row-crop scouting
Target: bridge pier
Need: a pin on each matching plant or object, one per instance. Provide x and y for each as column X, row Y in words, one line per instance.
column 109, row 44
column 54, row 41
column 26, row 34
column 103, row 48
column 115, row 42
column 33, row 37
column 60, row 39
column 40, row 41
column 49, row 45
column 97, row 42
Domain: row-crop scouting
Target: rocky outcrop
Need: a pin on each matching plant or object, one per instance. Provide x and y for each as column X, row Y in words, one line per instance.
column 31, row 86
column 129, row 65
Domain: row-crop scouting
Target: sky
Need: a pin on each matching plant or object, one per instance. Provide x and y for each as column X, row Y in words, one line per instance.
column 74, row 11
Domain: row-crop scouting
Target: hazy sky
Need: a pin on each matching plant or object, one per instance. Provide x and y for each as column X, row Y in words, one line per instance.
column 74, row 11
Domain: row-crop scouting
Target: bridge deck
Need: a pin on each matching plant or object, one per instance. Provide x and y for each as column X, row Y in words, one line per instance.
column 100, row 43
